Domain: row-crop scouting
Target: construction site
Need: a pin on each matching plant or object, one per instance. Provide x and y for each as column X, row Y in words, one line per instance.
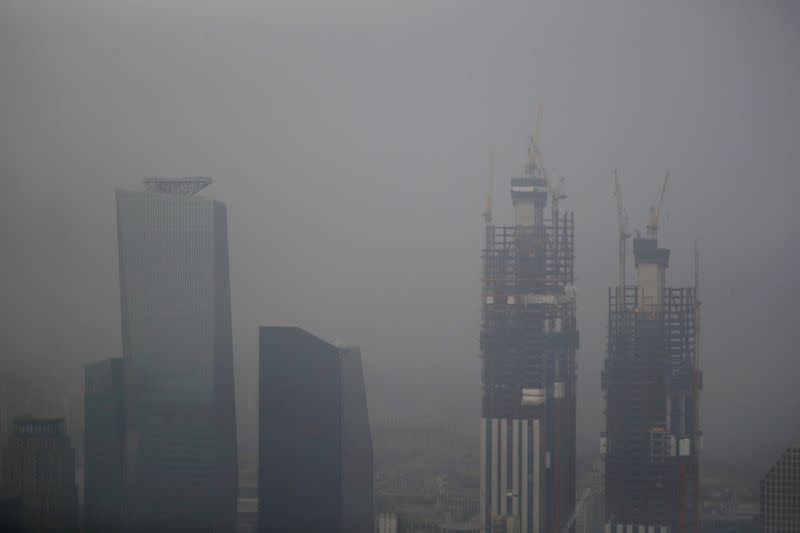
column 528, row 342
column 651, row 381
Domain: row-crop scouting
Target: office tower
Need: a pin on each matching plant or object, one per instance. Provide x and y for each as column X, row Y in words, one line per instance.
column 104, row 446
column 39, row 467
column 780, row 494
column 300, row 432
column 652, row 382
column 180, row 442
column 358, row 504
column 528, row 342
column 315, row 443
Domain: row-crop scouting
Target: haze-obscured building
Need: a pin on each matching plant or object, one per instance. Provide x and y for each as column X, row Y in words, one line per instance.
column 180, row 438
column 780, row 494
column 300, row 432
column 652, row 383
column 358, row 493
column 39, row 469
column 528, row 342
column 104, row 446
column 315, row 443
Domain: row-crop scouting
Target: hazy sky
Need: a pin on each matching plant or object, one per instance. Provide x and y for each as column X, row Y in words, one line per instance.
column 351, row 147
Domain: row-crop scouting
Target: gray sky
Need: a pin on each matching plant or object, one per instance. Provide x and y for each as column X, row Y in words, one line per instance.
column 351, row 146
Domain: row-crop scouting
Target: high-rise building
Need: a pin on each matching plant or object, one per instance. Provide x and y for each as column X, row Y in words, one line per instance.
column 315, row 444
column 39, row 467
column 104, row 446
column 780, row 494
column 651, row 382
column 358, row 495
column 180, row 438
column 528, row 342
column 300, row 432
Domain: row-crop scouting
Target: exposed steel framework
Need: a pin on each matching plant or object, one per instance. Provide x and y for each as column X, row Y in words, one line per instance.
column 528, row 342
column 651, row 384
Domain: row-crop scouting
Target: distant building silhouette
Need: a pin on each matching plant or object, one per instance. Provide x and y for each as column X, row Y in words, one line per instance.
column 180, row 438
column 358, row 504
column 39, row 468
column 104, row 446
column 780, row 494
column 315, row 445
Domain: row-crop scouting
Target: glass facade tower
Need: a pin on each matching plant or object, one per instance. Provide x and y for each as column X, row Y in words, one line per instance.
column 180, row 430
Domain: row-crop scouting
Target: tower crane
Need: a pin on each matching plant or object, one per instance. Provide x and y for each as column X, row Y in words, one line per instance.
column 622, row 221
column 655, row 211
column 556, row 194
column 487, row 215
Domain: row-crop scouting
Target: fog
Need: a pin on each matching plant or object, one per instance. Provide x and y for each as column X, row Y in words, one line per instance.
column 351, row 146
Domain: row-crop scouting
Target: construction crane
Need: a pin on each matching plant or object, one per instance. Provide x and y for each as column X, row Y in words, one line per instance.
column 535, row 160
column 556, row 195
column 578, row 506
column 655, row 211
column 487, row 215
column 622, row 221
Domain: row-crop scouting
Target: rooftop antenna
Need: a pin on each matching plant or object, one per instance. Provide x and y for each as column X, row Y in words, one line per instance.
column 487, row 215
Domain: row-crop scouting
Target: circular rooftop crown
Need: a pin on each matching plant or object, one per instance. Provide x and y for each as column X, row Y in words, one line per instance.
column 176, row 186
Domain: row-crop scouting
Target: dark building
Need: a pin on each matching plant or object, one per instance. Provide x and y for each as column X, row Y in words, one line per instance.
column 180, row 438
column 528, row 342
column 780, row 494
column 358, row 504
column 104, row 446
column 652, row 382
column 39, row 468
column 300, row 432
column 10, row 511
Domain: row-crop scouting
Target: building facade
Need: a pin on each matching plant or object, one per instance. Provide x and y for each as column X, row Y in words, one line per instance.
column 104, row 446
column 39, row 468
column 780, row 494
column 651, row 383
column 315, row 442
column 180, row 434
column 300, row 432
column 358, row 493
column 528, row 343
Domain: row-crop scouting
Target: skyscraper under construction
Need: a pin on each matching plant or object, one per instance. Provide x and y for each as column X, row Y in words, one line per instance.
column 528, row 342
column 651, row 382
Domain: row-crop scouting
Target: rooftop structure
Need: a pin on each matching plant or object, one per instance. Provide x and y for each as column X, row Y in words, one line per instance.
column 177, row 186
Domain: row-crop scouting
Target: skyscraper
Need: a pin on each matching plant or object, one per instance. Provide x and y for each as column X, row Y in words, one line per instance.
column 39, row 467
column 104, row 446
column 528, row 342
column 300, row 432
column 315, row 444
column 358, row 504
column 651, row 382
column 780, row 494
column 180, row 442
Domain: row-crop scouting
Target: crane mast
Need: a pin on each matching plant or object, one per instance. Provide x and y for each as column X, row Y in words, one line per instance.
column 655, row 210
column 622, row 222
